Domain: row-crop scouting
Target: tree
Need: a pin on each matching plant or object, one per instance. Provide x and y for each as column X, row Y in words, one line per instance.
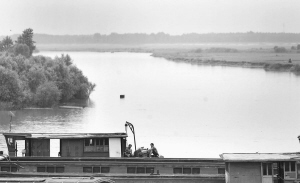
column 67, row 59
column 36, row 77
column 47, row 95
column 10, row 90
column 27, row 38
column 21, row 49
column 6, row 43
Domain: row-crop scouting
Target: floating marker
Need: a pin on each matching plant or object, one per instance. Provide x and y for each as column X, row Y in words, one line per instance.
column 122, row 96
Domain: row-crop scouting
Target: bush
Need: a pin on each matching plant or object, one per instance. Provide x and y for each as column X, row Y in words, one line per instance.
column 296, row 69
column 199, row 50
column 21, row 49
column 47, row 95
column 36, row 77
column 82, row 92
column 10, row 89
column 280, row 49
column 221, row 50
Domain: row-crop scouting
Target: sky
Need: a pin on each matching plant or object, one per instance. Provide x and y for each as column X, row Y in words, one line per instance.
column 175, row 17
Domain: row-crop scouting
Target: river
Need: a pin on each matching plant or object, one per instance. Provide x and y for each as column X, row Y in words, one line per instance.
column 187, row 111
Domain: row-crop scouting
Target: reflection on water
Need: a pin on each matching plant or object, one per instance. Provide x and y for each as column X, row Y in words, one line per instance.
column 185, row 110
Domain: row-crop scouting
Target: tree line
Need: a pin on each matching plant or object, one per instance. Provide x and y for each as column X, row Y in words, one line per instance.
column 27, row 80
column 140, row 38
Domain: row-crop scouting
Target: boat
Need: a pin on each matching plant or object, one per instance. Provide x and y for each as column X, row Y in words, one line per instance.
column 100, row 155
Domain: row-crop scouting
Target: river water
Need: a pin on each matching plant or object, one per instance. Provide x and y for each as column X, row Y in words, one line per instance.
column 187, row 111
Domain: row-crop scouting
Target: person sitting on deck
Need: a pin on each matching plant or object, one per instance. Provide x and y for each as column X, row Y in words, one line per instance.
column 153, row 151
column 128, row 151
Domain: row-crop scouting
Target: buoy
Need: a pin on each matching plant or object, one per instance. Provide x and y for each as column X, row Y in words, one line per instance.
column 122, row 96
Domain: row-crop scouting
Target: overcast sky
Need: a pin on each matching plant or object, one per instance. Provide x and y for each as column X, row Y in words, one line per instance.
column 175, row 17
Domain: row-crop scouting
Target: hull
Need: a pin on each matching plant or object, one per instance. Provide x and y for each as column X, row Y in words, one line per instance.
column 118, row 169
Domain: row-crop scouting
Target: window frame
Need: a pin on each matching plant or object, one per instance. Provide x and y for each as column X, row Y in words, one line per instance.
column 96, row 145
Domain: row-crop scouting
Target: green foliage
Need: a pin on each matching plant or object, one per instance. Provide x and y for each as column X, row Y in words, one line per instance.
column 37, row 80
column 199, row 50
column 280, row 49
column 67, row 59
column 27, row 38
column 36, row 77
column 47, row 95
column 278, row 67
column 83, row 91
column 6, row 44
column 67, row 89
column 10, row 90
column 221, row 50
column 8, row 63
column 21, row 49
column 298, row 47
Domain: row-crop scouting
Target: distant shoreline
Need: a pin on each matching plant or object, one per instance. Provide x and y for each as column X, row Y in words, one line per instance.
column 251, row 55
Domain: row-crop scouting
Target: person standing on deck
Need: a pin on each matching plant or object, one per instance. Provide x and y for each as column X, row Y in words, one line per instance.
column 153, row 151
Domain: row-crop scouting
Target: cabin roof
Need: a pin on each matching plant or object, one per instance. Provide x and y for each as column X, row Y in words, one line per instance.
column 66, row 135
column 260, row 157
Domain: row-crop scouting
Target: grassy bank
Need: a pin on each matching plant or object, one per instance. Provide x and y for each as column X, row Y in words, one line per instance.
column 254, row 55
column 266, row 60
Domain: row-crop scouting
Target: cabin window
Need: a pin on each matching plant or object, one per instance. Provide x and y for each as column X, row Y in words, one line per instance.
column 177, row 170
column 105, row 169
column 131, row 169
column 140, row 170
column 41, row 169
column 149, row 169
column 267, row 168
column 289, row 170
column 87, row 169
column 60, row 169
column 95, row 169
column 221, row 170
column 196, row 171
column 5, row 168
column 96, row 145
column 289, row 166
column 9, row 168
column 187, row 170
column 50, row 169
column 13, row 169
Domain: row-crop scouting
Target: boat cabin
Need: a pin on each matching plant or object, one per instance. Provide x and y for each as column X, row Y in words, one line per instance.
column 70, row 144
column 262, row 167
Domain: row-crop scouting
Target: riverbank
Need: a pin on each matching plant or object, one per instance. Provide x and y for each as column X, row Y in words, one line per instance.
column 282, row 62
column 250, row 55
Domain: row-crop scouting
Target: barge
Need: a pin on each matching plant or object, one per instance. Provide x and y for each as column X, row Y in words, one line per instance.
column 100, row 155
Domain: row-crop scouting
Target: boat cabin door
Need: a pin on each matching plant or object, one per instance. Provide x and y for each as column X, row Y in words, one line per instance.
column 40, row 147
column 267, row 173
column 20, row 148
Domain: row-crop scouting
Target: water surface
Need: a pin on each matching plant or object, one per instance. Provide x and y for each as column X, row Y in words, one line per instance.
column 185, row 110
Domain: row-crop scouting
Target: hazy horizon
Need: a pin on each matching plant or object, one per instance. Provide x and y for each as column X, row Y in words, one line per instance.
column 17, row 34
column 78, row 17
